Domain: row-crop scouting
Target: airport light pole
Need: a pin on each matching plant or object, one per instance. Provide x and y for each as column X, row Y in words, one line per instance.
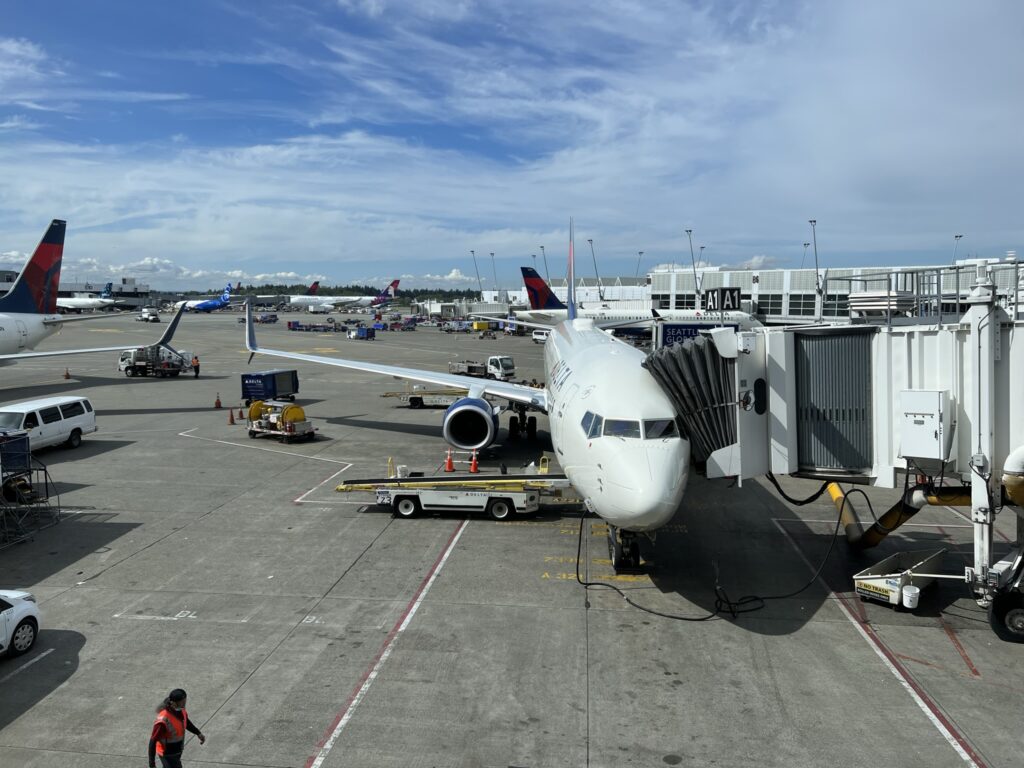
column 495, row 271
column 693, row 263
column 804, row 257
column 600, row 290
column 477, row 270
column 639, row 255
column 956, row 242
column 817, row 282
column 547, row 274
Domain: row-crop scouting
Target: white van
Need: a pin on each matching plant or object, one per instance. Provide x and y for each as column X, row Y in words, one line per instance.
column 539, row 337
column 51, row 421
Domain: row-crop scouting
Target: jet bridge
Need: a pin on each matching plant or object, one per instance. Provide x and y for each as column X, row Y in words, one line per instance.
column 938, row 398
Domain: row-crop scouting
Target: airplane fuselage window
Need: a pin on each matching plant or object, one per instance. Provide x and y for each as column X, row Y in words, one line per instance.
column 655, row 429
column 621, row 428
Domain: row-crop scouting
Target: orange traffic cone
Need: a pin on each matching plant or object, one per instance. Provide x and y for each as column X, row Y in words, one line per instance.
column 67, row 374
column 473, row 466
column 216, row 403
column 449, row 465
column 231, row 416
column 240, row 414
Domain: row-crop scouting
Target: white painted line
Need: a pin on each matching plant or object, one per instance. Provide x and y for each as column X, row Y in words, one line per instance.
column 260, row 448
column 26, row 665
column 917, row 694
column 319, row 485
column 345, row 715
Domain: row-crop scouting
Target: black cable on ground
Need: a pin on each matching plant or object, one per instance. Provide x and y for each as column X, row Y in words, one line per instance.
column 797, row 503
column 747, row 603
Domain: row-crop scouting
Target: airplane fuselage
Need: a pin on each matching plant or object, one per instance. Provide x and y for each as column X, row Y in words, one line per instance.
column 632, row 480
column 605, row 315
column 83, row 303
column 20, row 332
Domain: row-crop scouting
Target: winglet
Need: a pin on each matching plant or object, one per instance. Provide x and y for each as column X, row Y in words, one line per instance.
column 250, row 331
column 570, row 298
column 165, row 340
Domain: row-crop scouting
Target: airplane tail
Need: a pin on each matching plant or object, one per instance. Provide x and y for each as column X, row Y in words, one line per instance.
column 312, row 290
column 570, row 297
column 539, row 293
column 35, row 289
column 107, row 292
column 226, row 296
column 387, row 294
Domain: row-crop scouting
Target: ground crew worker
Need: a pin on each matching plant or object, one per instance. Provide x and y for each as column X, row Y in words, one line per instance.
column 195, row 365
column 168, row 737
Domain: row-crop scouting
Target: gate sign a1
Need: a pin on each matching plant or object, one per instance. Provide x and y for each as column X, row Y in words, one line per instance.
column 722, row 300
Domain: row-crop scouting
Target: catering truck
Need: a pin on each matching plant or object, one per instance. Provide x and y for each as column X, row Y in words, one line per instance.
column 500, row 367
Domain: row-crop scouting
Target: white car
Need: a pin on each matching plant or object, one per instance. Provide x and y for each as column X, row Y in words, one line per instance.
column 19, row 621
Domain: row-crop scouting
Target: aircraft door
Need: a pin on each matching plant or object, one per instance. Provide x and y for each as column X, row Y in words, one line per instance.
column 22, row 335
column 561, row 408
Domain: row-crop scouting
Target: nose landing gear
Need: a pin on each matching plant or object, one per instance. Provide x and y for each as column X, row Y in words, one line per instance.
column 624, row 550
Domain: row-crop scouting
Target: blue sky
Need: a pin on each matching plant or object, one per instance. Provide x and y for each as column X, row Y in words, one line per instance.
column 191, row 142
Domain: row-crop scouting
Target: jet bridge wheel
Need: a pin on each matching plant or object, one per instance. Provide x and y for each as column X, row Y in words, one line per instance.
column 1006, row 616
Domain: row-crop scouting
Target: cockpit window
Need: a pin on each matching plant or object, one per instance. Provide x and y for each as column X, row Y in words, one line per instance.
column 621, row 428
column 588, row 419
column 595, row 427
column 655, row 429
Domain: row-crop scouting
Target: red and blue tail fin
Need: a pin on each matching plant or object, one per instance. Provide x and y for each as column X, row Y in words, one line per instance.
column 35, row 290
column 311, row 291
column 538, row 292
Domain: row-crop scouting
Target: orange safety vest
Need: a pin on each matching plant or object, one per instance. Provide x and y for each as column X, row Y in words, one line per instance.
column 174, row 729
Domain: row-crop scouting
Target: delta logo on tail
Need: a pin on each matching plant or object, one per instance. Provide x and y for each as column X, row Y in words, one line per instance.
column 312, row 290
column 386, row 296
column 538, row 292
column 35, row 290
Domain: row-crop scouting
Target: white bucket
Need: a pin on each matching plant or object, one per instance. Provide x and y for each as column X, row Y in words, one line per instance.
column 402, row 470
column 911, row 595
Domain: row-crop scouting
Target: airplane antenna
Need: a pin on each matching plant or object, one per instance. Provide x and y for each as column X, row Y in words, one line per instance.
column 693, row 261
column 600, row 288
column 571, row 294
column 477, row 270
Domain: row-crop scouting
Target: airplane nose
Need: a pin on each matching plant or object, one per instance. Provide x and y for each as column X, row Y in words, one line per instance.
column 657, row 479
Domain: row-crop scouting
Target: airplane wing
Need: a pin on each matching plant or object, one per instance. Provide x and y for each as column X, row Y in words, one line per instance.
column 163, row 341
column 61, row 319
column 517, row 393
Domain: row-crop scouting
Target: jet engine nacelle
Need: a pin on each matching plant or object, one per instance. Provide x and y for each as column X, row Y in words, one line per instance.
column 470, row 424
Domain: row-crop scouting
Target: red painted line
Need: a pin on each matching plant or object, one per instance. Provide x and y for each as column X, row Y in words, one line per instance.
column 951, row 634
column 334, row 729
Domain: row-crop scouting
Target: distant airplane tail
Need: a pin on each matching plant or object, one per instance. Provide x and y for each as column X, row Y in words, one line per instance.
column 539, row 293
column 226, row 296
column 35, row 289
column 312, row 290
column 108, row 291
column 388, row 294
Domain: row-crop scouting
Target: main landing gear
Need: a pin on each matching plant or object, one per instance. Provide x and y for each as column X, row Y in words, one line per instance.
column 624, row 550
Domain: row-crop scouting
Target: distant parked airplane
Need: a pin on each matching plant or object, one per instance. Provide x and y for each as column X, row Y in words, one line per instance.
column 547, row 309
column 310, row 299
column 207, row 305
column 78, row 303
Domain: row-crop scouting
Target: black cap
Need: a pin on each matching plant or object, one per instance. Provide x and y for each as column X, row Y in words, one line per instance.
column 176, row 695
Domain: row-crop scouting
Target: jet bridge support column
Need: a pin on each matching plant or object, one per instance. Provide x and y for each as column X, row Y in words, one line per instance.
column 984, row 325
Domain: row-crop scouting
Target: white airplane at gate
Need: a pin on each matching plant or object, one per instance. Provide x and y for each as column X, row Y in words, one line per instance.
column 612, row 427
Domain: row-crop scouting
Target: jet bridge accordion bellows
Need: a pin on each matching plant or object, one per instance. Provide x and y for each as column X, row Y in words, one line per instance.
column 699, row 382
